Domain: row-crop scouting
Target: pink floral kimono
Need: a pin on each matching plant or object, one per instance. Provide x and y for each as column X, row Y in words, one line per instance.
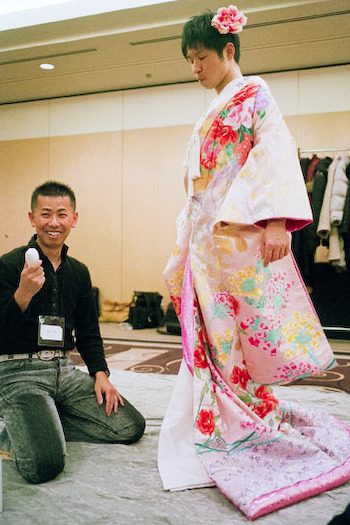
column 245, row 327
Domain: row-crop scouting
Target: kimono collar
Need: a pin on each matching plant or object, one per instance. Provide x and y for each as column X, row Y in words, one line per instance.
column 192, row 159
column 229, row 91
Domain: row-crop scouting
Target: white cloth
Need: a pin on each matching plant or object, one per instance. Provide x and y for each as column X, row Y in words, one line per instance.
column 178, row 463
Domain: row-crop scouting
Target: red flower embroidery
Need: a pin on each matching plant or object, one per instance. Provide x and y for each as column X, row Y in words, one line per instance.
column 205, row 422
column 270, row 402
column 209, row 163
column 234, row 304
column 209, row 154
column 242, row 150
column 254, row 341
column 177, row 304
column 224, row 134
column 229, row 300
column 200, row 358
column 248, row 92
column 239, row 376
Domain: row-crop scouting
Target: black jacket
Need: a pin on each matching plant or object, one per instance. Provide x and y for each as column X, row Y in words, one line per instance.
column 67, row 293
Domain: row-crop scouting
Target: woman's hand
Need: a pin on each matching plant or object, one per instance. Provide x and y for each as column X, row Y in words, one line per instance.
column 275, row 241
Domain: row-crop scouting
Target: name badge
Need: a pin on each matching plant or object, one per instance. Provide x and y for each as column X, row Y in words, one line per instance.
column 51, row 331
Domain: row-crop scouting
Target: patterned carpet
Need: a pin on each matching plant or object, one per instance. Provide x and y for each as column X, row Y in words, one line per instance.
column 162, row 358
column 158, row 358
column 336, row 379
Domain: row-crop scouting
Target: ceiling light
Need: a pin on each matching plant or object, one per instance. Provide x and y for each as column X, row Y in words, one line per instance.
column 47, row 66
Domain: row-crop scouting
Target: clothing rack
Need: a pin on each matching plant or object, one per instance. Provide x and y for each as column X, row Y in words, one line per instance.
column 330, row 330
column 323, row 150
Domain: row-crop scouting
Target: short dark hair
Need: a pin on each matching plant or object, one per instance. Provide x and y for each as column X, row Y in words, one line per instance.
column 52, row 188
column 198, row 32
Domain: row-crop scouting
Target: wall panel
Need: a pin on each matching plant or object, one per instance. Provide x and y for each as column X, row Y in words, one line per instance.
column 92, row 165
column 23, row 165
column 122, row 153
column 153, row 195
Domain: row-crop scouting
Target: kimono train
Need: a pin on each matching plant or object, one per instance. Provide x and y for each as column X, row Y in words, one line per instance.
column 245, row 327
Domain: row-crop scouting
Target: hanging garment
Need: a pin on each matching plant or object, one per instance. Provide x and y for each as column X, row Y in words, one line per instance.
column 339, row 190
column 312, row 168
column 333, row 209
column 344, row 228
column 319, row 188
column 305, row 240
column 246, row 327
column 324, row 223
column 304, row 164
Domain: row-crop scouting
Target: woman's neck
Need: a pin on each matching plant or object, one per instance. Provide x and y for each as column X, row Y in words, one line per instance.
column 234, row 73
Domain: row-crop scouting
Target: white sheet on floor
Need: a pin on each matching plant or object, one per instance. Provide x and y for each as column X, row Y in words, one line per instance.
column 119, row 484
column 178, row 464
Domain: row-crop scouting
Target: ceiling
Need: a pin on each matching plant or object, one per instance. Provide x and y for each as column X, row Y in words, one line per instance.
column 140, row 47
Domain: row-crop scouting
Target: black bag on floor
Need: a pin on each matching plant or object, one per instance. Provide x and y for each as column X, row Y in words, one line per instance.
column 171, row 321
column 145, row 310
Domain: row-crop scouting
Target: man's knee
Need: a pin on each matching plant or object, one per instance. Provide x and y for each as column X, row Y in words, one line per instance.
column 138, row 430
column 37, row 439
column 42, row 467
column 135, row 428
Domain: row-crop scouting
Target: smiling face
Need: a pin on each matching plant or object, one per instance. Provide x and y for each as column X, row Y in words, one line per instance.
column 211, row 71
column 53, row 218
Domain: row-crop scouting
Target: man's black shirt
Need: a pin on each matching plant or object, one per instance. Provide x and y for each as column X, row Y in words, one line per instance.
column 66, row 293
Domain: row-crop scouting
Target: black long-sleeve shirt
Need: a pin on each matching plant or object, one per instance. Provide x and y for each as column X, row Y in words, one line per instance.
column 66, row 293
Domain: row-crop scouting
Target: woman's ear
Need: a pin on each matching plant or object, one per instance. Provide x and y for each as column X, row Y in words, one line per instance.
column 230, row 50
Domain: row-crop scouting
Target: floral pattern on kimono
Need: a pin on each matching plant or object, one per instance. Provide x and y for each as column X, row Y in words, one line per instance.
column 273, row 319
column 246, row 327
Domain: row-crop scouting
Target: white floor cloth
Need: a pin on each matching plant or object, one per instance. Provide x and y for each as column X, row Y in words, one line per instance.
column 120, row 485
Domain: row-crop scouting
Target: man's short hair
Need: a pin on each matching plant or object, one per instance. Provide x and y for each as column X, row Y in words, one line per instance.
column 52, row 188
column 198, row 32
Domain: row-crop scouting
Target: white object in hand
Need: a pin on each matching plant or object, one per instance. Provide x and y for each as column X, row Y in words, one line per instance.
column 31, row 256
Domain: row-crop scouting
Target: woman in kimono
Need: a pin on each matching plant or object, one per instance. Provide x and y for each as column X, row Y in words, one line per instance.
column 246, row 317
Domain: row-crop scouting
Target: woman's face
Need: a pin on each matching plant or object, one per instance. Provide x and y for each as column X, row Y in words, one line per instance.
column 210, row 70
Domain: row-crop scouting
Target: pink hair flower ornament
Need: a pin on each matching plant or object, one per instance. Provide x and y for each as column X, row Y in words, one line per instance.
column 229, row 20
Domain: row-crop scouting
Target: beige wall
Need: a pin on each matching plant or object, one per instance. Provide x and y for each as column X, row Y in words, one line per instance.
column 129, row 192
column 122, row 153
column 23, row 164
column 92, row 165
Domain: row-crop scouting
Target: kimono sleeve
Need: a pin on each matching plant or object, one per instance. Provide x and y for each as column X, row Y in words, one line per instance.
column 270, row 185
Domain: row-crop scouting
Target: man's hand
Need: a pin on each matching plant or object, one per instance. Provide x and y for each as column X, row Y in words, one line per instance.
column 31, row 281
column 275, row 242
column 104, row 390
